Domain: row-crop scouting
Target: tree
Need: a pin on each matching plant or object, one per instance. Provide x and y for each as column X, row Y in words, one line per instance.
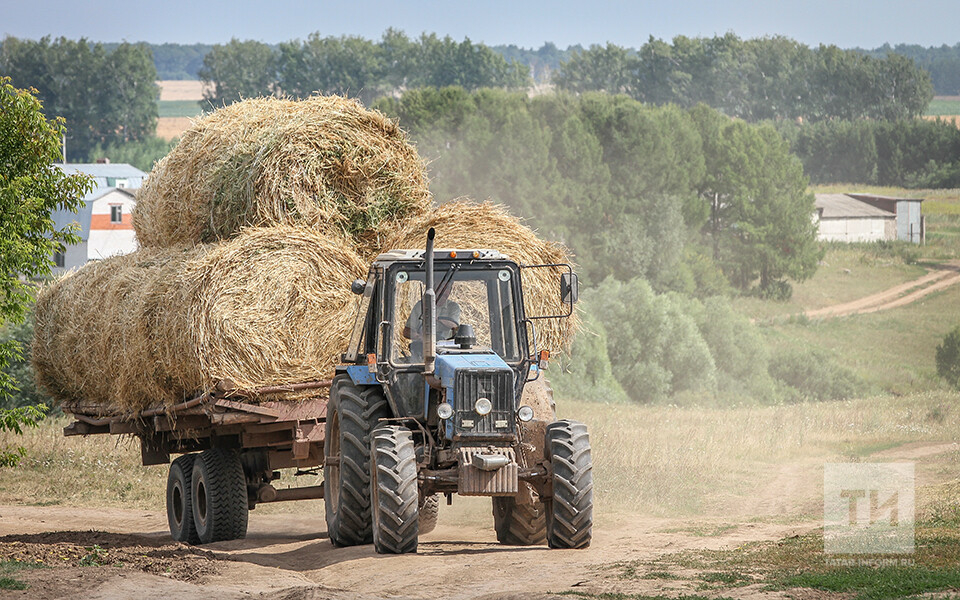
column 760, row 224
column 948, row 358
column 31, row 187
column 238, row 70
column 105, row 97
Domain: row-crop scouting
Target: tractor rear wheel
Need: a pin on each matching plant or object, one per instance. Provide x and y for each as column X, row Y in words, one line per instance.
column 519, row 524
column 429, row 513
column 569, row 510
column 394, row 490
column 179, row 500
column 352, row 413
column 219, row 496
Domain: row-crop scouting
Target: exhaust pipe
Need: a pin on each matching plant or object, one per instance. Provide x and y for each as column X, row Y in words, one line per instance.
column 429, row 311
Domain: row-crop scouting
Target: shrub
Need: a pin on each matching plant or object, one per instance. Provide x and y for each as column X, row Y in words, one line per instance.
column 948, row 358
column 813, row 375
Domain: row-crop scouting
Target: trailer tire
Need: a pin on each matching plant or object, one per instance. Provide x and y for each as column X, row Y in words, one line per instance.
column 569, row 511
column 219, row 496
column 179, row 500
column 352, row 414
column 394, row 490
column 429, row 513
column 519, row 524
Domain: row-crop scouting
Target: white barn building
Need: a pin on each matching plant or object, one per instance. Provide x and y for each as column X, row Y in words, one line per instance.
column 843, row 218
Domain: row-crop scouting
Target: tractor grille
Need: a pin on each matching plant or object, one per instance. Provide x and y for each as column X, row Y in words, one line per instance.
column 497, row 386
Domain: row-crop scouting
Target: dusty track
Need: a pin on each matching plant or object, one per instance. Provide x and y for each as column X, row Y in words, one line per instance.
column 942, row 276
column 289, row 557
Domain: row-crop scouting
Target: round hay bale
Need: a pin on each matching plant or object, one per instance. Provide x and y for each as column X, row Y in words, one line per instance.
column 272, row 306
column 467, row 224
column 325, row 162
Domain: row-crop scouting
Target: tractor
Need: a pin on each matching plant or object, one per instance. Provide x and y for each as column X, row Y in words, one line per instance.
column 440, row 392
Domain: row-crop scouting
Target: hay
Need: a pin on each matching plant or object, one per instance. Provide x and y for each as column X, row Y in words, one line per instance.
column 271, row 306
column 325, row 162
column 467, row 224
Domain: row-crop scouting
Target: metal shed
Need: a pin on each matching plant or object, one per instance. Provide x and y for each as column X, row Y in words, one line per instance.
column 843, row 218
column 911, row 226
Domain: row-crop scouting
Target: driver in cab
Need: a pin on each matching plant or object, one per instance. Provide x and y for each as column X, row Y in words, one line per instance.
column 448, row 319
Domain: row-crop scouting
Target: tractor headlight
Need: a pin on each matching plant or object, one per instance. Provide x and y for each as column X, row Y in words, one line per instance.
column 483, row 406
column 525, row 413
column 445, row 411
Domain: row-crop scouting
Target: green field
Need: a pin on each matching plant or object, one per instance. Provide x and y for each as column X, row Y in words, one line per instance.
column 943, row 106
column 178, row 108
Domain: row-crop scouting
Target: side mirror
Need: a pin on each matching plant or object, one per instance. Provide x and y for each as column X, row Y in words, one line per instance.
column 569, row 288
column 358, row 286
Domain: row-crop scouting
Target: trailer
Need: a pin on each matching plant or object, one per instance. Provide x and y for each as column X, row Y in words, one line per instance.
column 216, row 433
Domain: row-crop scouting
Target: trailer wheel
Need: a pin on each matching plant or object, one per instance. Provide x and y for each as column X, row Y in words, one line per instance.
column 429, row 513
column 519, row 524
column 179, row 500
column 394, row 490
column 569, row 511
column 352, row 413
column 219, row 496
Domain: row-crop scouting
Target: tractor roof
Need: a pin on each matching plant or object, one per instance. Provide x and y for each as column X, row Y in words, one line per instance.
column 442, row 254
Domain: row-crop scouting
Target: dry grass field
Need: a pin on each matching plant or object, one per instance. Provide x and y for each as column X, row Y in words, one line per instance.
column 180, row 90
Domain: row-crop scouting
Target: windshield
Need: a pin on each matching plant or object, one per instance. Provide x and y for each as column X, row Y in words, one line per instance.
column 481, row 298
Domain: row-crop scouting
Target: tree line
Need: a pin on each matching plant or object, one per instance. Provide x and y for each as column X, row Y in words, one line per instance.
column 354, row 66
column 762, row 78
column 942, row 62
column 183, row 61
column 107, row 98
column 913, row 153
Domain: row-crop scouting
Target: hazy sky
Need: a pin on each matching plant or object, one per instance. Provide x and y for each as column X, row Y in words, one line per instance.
column 842, row 22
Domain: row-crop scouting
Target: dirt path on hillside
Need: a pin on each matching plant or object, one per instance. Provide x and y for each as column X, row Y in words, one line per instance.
column 942, row 276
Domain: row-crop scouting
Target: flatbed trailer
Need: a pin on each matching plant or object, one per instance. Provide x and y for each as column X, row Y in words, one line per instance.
column 268, row 434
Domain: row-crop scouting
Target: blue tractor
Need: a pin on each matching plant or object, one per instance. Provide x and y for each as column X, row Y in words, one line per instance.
column 440, row 392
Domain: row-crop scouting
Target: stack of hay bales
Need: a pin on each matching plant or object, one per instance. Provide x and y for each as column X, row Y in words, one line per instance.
column 251, row 231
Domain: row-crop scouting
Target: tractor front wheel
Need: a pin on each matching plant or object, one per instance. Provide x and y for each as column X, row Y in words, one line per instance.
column 569, row 510
column 394, row 491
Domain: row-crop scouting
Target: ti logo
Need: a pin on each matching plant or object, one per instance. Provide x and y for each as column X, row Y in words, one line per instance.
column 868, row 508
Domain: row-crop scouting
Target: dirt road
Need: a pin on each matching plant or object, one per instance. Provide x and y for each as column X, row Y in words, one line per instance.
column 288, row 557
column 942, row 276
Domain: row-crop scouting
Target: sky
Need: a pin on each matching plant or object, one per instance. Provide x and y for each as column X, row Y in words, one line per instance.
column 865, row 24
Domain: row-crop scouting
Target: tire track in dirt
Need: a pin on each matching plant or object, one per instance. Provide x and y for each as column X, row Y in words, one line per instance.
column 943, row 276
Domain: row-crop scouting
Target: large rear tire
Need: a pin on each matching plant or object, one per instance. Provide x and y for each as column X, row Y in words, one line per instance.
column 394, row 490
column 352, row 413
column 180, row 500
column 219, row 496
column 569, row 511
column 519, row 524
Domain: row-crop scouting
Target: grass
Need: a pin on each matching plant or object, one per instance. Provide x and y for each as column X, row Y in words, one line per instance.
column 892, row 350
column 847, row 272
column 179, row 108
column 799, row 562
column 943, row 106
column 8, row 567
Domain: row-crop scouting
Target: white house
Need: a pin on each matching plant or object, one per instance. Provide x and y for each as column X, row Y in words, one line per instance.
column 105, row 220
